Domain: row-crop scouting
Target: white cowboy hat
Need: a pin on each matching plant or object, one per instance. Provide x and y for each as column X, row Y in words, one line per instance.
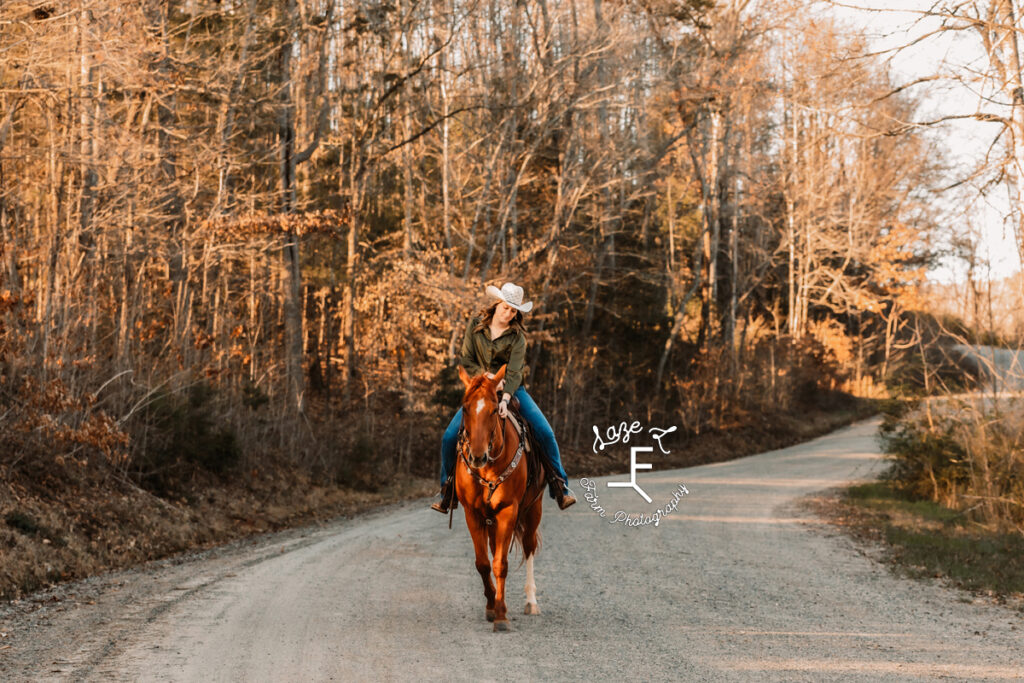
column 511, row 294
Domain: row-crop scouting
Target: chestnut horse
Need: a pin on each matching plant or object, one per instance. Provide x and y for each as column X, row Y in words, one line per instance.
column 500, row 485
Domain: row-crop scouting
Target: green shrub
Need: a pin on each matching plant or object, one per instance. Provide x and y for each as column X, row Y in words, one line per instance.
column 361, row 466
column 180, row 432
column 967, row 455
column 253, row 397
column 928, row 463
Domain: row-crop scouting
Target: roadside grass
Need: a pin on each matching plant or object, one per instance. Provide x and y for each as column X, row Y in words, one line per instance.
column 96, row 522
column 927, row 540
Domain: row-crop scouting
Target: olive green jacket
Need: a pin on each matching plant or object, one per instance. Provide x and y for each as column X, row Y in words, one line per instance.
column 480, row 353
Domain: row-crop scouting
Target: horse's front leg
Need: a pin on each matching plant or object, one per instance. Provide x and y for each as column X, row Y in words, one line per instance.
column 478, row 530
column 505, row 521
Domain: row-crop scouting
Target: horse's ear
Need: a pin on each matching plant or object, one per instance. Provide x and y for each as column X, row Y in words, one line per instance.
column 500, row 374
column 464, row 376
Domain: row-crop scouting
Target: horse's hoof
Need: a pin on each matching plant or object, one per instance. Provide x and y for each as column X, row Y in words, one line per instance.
column 490, row 614
column 531, row 608
column 502, row 625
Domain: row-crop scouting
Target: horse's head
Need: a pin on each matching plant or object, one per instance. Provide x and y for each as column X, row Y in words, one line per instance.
column 480, row 414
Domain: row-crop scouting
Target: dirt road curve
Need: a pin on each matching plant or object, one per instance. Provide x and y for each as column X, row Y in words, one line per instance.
column 736, row 584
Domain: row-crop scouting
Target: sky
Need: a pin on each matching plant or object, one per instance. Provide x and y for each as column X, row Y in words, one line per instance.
column 890, row 24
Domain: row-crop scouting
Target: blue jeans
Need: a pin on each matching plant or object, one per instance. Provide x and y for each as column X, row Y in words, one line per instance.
column 541, row 429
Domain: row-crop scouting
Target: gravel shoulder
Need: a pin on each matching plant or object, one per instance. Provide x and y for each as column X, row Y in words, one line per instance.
column 740, row 582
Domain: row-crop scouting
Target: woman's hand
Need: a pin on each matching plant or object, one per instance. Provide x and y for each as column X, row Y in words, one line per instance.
column 503, row 407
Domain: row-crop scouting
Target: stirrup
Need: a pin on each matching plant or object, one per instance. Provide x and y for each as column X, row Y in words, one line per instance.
column 448, row 500
column 560, row 491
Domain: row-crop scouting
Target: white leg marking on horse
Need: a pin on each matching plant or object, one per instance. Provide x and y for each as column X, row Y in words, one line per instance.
column 531, row 586
column 479, row 406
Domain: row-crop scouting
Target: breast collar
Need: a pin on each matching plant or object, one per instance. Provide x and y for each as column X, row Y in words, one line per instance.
column 492, row 485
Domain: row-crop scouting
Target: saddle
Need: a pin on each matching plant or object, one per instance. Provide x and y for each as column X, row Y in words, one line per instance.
column 521, row 425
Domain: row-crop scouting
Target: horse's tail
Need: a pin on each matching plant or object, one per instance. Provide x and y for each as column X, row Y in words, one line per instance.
column 531, row 497
column 517, row 537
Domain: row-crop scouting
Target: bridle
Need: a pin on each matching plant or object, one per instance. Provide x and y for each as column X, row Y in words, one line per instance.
column 490, row 440
column 491, row 485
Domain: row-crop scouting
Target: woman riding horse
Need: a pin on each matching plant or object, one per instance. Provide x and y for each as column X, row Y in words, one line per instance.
column 494, row 338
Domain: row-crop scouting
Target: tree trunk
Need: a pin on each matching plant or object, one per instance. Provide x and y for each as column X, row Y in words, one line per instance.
column 291, row 275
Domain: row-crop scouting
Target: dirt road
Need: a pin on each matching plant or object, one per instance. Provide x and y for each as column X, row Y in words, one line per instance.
column 735, row 584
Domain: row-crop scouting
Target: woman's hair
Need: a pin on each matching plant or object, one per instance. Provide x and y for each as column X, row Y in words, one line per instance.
column 486, row 314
